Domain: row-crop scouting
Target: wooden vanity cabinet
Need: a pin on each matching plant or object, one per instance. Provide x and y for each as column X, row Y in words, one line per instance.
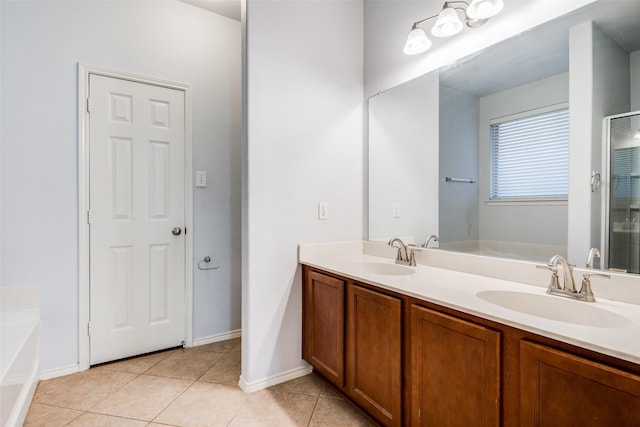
column 562, row 389
column 323, row 325
column 455, row 371
column 374, row 365
column 368, row 368
column 409, row 362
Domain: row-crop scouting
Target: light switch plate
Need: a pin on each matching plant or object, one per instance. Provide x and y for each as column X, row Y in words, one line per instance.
column 201, row 178
column 395, row 210
column 323, row 210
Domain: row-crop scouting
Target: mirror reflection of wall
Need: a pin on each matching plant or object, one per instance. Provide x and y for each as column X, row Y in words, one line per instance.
column 458, row 202
column 403, row 161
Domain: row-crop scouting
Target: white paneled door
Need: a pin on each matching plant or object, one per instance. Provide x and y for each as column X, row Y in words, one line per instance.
column 136, row 218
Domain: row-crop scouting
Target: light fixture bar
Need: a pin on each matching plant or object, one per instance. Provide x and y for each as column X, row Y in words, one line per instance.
column 448, row 22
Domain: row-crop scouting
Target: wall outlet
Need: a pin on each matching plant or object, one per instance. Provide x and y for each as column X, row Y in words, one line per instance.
column 323, row 210
column 395, row 210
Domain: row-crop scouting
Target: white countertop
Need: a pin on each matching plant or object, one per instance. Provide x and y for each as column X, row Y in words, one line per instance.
column 457, row 290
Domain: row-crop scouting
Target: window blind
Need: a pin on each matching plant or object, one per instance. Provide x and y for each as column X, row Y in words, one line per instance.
column 625, row 173
column 530, row 157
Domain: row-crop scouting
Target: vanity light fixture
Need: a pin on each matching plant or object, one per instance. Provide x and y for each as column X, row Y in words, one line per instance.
column 637, row 134
column 448, row 22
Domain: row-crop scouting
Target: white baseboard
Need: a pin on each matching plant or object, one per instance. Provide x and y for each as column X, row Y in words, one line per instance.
column 217, row 338
column 58, row 372
column 274, row 380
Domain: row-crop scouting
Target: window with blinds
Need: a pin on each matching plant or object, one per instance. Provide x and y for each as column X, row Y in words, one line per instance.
column 530, row 156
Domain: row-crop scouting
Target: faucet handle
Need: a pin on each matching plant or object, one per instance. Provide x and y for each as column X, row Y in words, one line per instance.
column 412, row 258
column 554, row 283
column 586, row 285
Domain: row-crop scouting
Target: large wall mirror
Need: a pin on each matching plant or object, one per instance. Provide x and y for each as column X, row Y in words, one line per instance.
column 440, row 157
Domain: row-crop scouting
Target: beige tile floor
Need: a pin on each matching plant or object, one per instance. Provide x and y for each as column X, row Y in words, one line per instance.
column 184, row 387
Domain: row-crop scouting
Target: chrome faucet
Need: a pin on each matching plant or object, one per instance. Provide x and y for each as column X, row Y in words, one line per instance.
column 593, row 253
column 432, row 237
column 568, row 287
column 404, row 256
column 567, row 272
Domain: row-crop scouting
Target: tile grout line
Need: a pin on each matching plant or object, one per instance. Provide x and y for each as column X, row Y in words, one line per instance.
column 185, row 390
column 138, row 375
column 315, row 405
column 238, row 411
column 60, row 407
column 170, row 403
column 112, row 393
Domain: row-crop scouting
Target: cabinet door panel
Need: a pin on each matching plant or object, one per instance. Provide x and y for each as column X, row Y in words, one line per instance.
column 374, row 353
column 323, row 328
column 455, row 371
column 558, row 388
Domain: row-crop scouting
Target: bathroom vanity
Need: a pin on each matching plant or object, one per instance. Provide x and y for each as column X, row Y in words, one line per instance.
column 432, row 346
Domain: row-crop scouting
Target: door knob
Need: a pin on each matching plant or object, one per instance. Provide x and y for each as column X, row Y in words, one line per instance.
column 176, row 231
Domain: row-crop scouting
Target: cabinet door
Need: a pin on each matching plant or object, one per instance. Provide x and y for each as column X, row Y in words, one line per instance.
column 374, row 377
column 323, row 325
column 560, row 389
column 455, row 371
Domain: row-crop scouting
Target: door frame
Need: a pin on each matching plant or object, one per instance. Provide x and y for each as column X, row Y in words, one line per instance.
column 84, row 298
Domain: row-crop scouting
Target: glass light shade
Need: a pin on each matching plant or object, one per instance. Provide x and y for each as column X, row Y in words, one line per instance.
column 417, row 42
column 637, row 134
column 484, row 9
column 447, row 24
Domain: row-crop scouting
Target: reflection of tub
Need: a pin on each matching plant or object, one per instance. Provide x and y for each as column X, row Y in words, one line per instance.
column 19, row 331
column 514, row 250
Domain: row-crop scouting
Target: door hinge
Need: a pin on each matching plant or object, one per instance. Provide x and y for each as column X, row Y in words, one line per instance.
column 89, row 328
column 88, row 216
column 88, row 105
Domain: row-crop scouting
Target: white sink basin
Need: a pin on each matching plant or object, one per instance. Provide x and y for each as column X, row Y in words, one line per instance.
column 383, row 268
column 556, row 308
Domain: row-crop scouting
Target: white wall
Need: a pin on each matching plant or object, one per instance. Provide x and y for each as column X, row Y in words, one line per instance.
column 403, row 161
column 599, row 86
column 458, row 202
column 304, row 145
column 539, row 223
column 42, row 43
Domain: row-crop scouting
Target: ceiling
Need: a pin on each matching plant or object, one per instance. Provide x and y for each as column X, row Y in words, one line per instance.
column 228, row 8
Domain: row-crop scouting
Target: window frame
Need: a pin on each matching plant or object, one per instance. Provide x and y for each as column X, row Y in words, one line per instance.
column 531, row 200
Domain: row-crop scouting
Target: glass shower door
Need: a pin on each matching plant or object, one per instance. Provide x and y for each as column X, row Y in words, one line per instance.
column 624, row 193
